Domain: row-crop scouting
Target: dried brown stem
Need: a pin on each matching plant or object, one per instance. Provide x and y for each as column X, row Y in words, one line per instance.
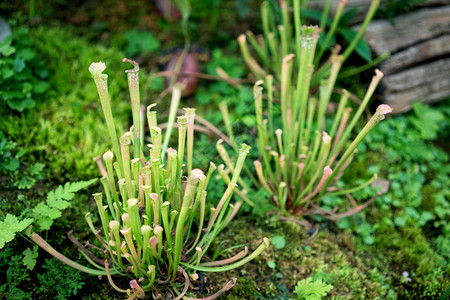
column 355, row 100
column 186, row 285
column 305, row 224
column 238, row 256
column 111, row 282
column 100, row 166
column 230, row 284
column 80, row 246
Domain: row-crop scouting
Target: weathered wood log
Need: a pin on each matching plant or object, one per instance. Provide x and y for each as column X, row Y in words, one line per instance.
column 363, row 6
column 419, row 67
column 426, row 83
column 408, row 29
column 422, row 52
column 419, row 43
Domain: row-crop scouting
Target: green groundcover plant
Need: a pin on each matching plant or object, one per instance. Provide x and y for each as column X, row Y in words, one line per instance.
column 306, row 289
column 23, row 77
column 155, row 229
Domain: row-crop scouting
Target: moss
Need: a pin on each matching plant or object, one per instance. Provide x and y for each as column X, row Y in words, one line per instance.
column 323, row 257
column 428, row 200
column 415, row 270
column 66, row 129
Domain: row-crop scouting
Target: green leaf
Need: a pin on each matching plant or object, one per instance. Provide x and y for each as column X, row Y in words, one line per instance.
column 140, row 42
column 57, row 200
column 271, row 264
column 25, row 183
column 29, row 257
column 18, row 65
column 21, row 105
column 265, row 203
column 10, row 226
column 278, row 241
column 76, row 186
column 400, row 221
column 37, row 169
column 369, row 239
column 26, row 54
column 40, row 87
column 427, row 120
column 347, row 16
column 12, row 165
column 307, row 289
column 365, row 229
column 5, row 47
column 361, row 48
column 7, row 73
column 314, row 15
column 45, row 215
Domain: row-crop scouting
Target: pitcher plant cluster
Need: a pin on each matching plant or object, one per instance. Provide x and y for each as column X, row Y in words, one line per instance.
column 267, row 51
column 155, row 227
column 301, row 156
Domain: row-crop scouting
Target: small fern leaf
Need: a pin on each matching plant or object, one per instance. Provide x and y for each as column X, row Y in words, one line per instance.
column 76, row 186
column 29, row 257
column 10, row 226
column 59, row 198
column 55, row 200
column 45, row 215
column 307, row 289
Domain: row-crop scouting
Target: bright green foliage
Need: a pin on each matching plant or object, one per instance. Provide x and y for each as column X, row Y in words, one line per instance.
column 48, row 133
column 29, row 257
column 23, row 76
column 16, row 276
column 429, row 122
column 44, row 213
column 278, row 241
column 10, row 163
column 418, row 172
column 58, row 281
column 140, row 42
column 10, row 226
column 54, row 281
column 57, row 200
column 307, row 289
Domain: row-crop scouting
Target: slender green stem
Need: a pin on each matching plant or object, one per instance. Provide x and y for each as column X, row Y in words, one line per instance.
column 101, row 81
column 44, row 245
column 175, row 102
column 133, row 84
column 264, row 245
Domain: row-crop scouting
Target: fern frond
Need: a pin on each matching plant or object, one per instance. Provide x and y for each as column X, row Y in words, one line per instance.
column 10, row 226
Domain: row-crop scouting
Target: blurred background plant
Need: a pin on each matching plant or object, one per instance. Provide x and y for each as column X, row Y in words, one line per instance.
column 302, row 152
column 23, row 77
column 281, row 28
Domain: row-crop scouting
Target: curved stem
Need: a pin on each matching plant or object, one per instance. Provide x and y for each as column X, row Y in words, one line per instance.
column 264, row 245
column 44, row 245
